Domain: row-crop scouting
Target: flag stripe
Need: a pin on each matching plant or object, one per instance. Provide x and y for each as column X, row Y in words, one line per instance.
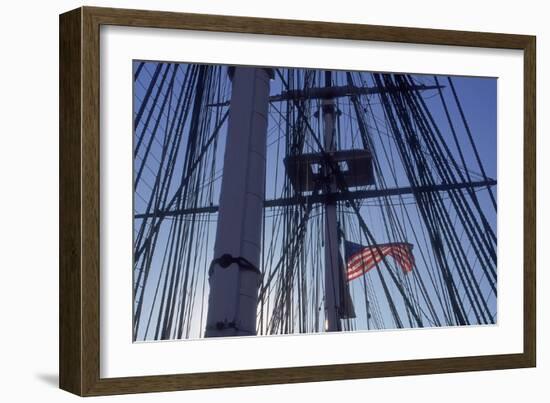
column 367, row 257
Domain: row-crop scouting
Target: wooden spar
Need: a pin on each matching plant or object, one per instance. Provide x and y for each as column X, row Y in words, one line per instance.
column 332, row 264
column 338, row 196
column 333, row 92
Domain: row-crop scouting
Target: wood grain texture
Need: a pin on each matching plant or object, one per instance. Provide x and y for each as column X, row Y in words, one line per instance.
column 79, row 200
column 70, row 271
column 90, row 202
column 530, row 202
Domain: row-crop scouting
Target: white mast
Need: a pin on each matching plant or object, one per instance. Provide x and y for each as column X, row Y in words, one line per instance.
column 234, row 275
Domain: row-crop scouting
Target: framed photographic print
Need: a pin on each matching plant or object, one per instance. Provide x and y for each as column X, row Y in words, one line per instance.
column 250, row 201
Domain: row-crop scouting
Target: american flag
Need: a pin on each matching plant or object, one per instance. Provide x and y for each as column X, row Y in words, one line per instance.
column 360, row 259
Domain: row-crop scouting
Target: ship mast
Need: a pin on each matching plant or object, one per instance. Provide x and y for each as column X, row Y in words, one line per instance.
column 332, row 268
column 234, row 275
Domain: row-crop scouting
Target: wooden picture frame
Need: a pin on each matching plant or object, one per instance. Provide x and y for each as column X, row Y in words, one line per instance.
column 79, row 201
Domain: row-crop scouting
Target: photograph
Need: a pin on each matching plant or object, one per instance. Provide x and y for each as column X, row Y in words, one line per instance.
column 277, row 200
column 249, row 201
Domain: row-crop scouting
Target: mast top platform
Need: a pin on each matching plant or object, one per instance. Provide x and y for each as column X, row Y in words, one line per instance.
column 306, row 170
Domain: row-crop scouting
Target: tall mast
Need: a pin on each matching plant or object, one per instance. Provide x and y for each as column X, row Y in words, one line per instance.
column 332, row 268
column 234, row 275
